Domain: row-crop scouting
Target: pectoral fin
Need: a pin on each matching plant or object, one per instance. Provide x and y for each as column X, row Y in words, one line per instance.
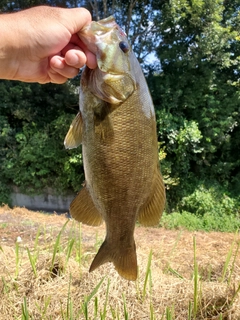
column 152, row 210
column 74, row 136
column 83, row 209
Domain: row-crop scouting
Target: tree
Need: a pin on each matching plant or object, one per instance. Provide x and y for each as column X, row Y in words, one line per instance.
column 136, row 18
column 34, row 121
column 197, row 94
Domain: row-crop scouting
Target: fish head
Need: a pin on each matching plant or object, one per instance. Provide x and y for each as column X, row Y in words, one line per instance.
column 113, row 80
column 109, row 43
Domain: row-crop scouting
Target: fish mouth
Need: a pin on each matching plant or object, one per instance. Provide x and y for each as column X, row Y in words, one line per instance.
column 92, row 34
column 103, row 26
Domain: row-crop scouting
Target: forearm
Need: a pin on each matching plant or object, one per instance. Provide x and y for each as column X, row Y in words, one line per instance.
column 9, row 42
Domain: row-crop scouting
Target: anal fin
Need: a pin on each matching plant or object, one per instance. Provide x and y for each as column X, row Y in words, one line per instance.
column 83, row 209
column 152, row 210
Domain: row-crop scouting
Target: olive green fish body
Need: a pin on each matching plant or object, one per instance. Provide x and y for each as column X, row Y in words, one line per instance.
column 120, row 153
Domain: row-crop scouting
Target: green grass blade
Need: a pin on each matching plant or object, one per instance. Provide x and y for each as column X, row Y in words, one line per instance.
column 95, row 290
column 80, row 245
column 6, row 288
column 173, row 250
column 235, row 295
column 56, row 246
column 106, row 301
column 95, row 307
column 45, row 307
column 69, row 251
column 168, row 314
column 138, row 287
column 126, row 317
column 114, row 313
column 196, row 280
column 234, row 262
column 69, row 301
column 152, row 315
column 190, row 311
column 32, row 262
column 25, row 314
column 17, row 259
column 162, row 317
column 174, row 272
column 148, row 275
column 226, row 264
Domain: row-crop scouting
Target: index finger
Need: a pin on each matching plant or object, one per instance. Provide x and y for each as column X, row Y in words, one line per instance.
column 75, row 43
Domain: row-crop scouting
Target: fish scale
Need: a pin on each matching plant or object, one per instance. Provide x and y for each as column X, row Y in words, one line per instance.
column 117, row 129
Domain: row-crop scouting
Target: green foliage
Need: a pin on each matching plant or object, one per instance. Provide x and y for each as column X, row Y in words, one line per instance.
column 4, row 194
column 40, row 160
column 206, row 209
column 208, row 222
column 182, row 141
column 34, row 121
column 211, row 201
column 196, row 93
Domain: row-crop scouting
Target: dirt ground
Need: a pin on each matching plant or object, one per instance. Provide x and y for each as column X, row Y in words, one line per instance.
column 172, row 269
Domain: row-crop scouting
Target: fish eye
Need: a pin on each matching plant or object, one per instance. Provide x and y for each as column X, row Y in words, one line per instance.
column 124, row 46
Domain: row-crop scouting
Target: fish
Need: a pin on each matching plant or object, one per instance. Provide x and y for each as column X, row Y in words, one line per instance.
column 116, row 126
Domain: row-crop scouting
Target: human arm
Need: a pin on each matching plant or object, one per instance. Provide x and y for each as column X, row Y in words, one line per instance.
column 41, row 45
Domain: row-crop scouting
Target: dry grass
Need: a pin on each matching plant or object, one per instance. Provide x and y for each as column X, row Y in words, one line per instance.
column 62, row 288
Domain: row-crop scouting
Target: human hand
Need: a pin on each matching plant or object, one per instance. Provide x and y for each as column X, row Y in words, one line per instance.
column 41, row 45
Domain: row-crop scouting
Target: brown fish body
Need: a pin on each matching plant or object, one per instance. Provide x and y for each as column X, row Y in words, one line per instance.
column 120, row 153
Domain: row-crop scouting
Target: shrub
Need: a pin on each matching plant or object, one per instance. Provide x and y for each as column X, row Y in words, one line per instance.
column 211, row 201
column 206, row 208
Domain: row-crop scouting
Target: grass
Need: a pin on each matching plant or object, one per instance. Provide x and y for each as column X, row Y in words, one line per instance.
column 3, row 225
column 196, row 291
column 182, row 276
column 207, row 222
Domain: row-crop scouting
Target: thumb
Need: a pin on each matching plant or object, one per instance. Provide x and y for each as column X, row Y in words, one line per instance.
column 75, row 19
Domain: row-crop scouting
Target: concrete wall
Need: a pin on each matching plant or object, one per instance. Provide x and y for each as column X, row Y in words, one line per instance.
column 45, row 202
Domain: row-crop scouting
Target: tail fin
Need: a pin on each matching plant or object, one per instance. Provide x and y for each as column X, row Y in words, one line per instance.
column 124, row 260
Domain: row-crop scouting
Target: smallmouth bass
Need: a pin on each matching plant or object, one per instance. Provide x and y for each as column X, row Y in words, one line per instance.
column 117, row 129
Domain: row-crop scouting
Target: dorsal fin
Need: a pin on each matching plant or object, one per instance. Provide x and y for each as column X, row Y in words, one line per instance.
column 83, row 209
column 74, row 136
column 152, row 210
